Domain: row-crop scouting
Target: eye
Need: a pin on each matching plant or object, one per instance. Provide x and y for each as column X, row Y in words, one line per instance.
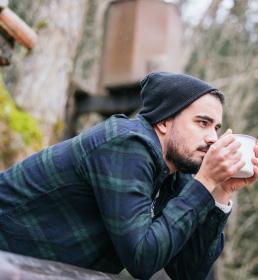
column 203, row 123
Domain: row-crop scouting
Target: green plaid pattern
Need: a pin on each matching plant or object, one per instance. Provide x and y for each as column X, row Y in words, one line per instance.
column 104, row 200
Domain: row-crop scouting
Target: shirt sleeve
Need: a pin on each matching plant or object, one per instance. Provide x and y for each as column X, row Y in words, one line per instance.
column 226, row 208
column 201, row 250
column 122, row 174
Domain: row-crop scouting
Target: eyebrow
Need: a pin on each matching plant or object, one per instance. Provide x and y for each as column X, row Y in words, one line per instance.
column 209, row 119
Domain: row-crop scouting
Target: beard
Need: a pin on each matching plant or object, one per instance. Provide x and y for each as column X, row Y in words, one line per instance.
column 179, row 154
column 181, row 161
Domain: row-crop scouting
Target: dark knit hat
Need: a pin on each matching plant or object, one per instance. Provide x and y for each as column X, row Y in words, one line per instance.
column 166, row 94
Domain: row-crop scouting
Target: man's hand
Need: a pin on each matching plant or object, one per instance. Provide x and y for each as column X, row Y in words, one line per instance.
column 220, row 163
column 235, row 184
column 224, row 188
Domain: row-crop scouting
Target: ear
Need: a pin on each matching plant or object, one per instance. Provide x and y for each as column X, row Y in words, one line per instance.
column 163, row 126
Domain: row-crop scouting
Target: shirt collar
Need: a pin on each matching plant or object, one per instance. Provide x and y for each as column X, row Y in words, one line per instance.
column 154, row 136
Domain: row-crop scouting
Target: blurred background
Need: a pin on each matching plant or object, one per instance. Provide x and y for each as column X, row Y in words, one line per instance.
column 87, row 63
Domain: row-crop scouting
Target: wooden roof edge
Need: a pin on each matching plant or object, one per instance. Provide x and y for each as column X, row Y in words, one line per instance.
column 17, row 28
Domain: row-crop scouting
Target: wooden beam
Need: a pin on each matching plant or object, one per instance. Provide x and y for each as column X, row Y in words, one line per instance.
column 124, row 100
column 17, row 28
column 107, row 105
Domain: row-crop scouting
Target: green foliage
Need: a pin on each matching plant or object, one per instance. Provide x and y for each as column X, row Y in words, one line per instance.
column 18, row 120
column 41, row 24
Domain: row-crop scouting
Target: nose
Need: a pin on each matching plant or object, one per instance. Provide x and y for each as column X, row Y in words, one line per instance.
column 211, row 137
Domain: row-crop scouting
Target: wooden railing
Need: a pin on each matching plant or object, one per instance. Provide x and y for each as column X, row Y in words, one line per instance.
column 13, row 267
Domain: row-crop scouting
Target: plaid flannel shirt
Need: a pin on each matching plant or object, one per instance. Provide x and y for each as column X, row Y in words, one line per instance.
column 104, row 200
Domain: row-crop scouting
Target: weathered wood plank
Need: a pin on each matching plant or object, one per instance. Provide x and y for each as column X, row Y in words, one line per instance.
column 107, row 105
column 14, row 267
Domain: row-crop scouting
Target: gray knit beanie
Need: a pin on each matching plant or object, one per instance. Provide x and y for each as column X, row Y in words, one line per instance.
column 165, row 94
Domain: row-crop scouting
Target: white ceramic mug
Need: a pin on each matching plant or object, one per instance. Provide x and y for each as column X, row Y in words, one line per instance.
column 247, row 150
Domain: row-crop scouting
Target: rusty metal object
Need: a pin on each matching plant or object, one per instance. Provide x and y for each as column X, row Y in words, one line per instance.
column 140, row 36
column 17, row 28
column 18, row 267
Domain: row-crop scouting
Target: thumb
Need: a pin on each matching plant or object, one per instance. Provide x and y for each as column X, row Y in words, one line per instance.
column 227, row 132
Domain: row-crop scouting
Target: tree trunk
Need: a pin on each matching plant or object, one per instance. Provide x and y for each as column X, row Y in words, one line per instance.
column 44, row 76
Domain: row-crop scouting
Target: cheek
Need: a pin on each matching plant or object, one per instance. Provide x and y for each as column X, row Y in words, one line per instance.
column 195, row 134
column 190, row 130
column 187, row 138
column 191, row 138
column 191, row 144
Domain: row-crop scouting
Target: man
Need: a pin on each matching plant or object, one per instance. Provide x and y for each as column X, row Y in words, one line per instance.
column 122, row 194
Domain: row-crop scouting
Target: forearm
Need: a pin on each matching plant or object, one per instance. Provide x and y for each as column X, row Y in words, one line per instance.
column 146, row 245
column 201, row 251
column 153, row 243
column 221, row 196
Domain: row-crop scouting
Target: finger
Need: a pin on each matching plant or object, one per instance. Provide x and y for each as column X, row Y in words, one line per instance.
column 225, row 141
column 254, row 177
column 230, row 154
column 234, row 146
column 237, row 157
column 228, row 131
column 256, row 149
column 255, row 161
column 256, row 172
column 236, row 167
column 234, row 160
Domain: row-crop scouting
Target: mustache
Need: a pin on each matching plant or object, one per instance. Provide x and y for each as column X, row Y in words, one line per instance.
column 203, row 148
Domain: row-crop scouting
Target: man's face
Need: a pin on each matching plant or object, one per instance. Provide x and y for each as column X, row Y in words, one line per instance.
column 192, row 132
